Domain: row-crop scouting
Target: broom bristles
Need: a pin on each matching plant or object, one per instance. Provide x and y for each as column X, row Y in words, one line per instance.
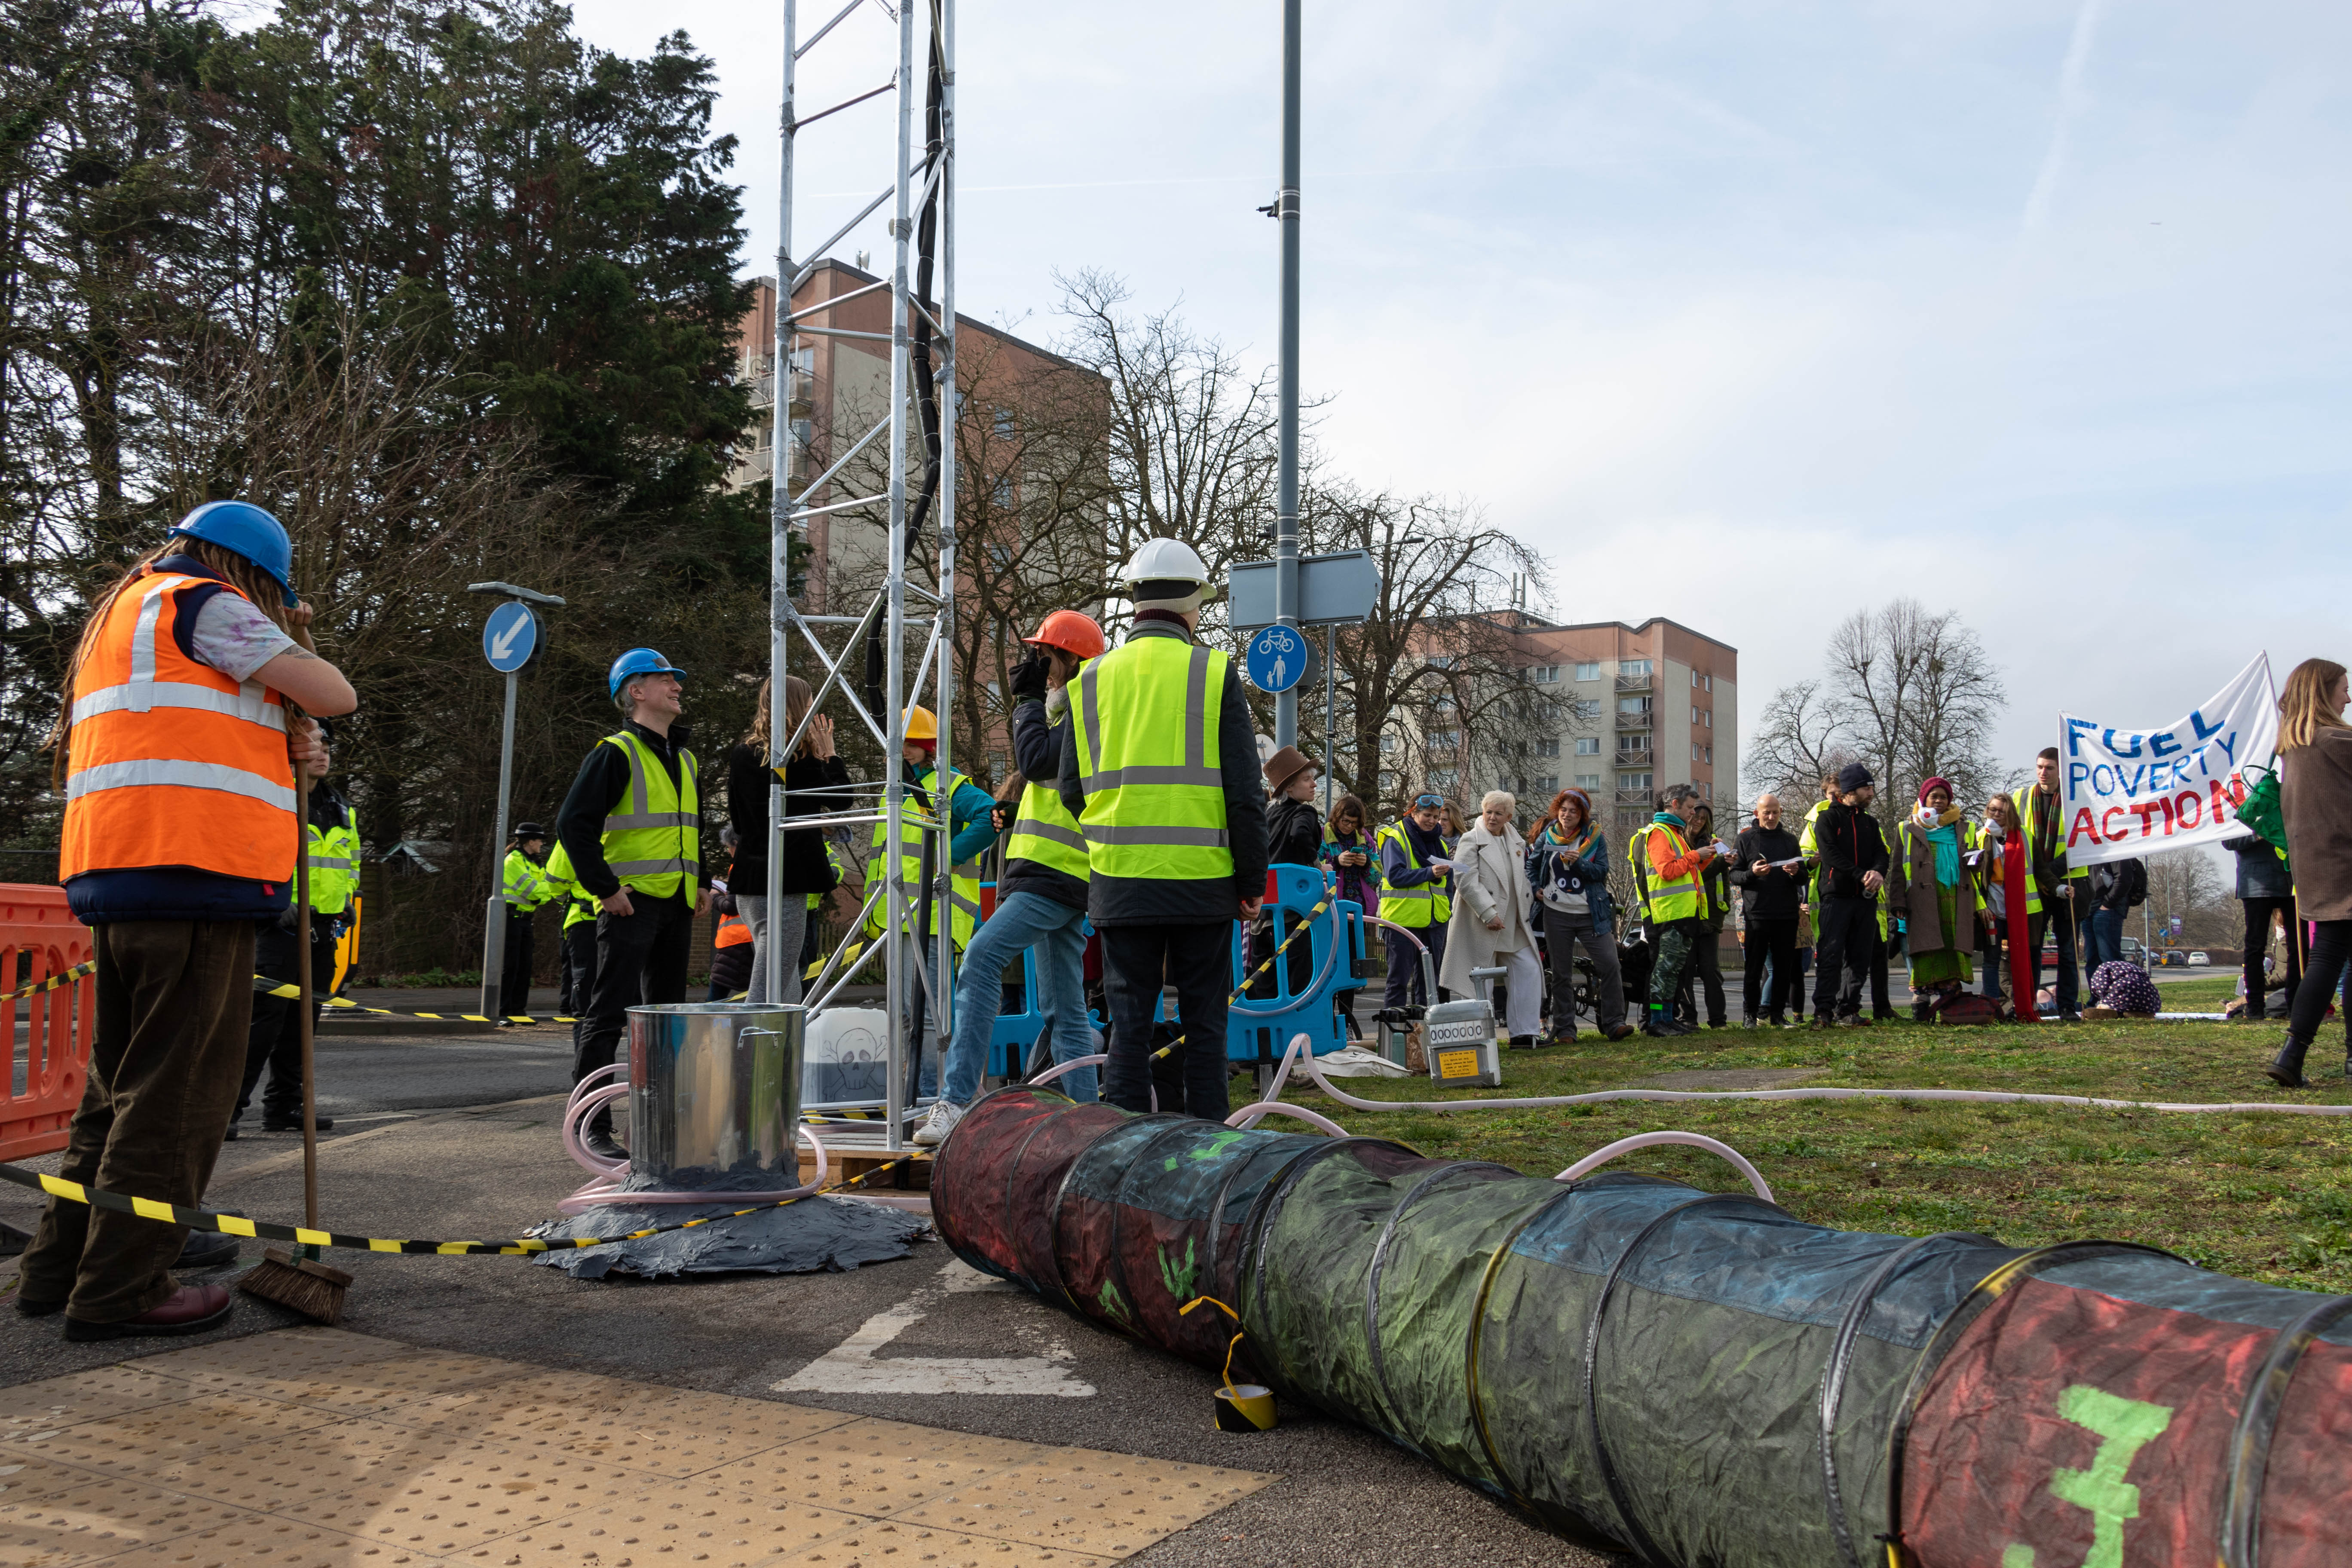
column 298, row 1284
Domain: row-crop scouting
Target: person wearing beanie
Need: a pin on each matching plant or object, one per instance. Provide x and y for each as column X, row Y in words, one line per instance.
column 1854, row 863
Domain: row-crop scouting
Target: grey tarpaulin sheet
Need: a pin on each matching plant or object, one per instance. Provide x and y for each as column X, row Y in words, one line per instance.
column 806, row 1237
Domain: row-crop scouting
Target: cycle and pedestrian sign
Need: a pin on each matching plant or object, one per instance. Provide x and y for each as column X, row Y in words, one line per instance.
column 1276, row 659
column 510, row 636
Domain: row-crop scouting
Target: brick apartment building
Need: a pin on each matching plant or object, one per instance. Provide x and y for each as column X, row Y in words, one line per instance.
column 1647, row 706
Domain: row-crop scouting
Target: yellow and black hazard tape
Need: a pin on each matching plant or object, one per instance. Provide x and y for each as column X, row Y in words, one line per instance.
column 64, row 977
column 238, row 1224
column 265, row 986
column 1306, row 923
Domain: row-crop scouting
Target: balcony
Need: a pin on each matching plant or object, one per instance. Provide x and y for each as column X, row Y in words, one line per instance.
column 1633, row 756
column 1632, row 797
column 1632, row 683
column 1635, row 720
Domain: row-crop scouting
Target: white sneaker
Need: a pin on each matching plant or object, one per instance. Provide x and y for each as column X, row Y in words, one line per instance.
column 942, row 1121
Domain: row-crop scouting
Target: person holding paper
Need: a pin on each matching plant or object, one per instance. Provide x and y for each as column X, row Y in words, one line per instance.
column 1853, row 869
column 1666, row 867
column 1767, row 869
column 1705, row 972
column 1415, row 877
column 2048, row 880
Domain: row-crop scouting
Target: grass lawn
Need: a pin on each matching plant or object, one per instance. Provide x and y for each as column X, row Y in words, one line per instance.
column 2261, row 1196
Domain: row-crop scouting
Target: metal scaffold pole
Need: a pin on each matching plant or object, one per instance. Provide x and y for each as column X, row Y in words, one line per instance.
column 903, row 905
column 1285, row 523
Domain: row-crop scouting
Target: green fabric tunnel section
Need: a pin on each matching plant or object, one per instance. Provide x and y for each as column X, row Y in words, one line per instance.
column 1694, row 1378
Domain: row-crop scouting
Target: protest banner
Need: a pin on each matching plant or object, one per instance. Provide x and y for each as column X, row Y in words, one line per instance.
column 2137, row 791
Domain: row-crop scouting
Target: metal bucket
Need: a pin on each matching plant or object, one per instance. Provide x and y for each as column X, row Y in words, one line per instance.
column 714, row 1091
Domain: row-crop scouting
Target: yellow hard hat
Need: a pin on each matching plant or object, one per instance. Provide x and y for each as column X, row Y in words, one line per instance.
column 920, row 725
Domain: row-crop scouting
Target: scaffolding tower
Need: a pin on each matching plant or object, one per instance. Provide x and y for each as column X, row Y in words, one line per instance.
column 922, row 342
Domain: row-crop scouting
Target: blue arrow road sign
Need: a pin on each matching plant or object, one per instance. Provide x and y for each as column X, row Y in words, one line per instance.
column 510, row 636
column 1276, row 659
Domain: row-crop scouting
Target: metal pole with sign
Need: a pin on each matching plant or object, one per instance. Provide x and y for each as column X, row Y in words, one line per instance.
column 1286, row 521
column 509, row 638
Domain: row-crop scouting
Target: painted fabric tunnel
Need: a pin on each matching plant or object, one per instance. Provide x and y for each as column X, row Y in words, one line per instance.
column 1694, row 1378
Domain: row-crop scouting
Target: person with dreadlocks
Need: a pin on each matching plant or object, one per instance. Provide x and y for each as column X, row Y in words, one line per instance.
column 177, row 745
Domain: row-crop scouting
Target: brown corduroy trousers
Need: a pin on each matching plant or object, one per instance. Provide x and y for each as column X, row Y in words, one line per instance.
column 174, row 1005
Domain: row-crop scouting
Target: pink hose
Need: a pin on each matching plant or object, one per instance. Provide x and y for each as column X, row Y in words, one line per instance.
column 1609, row 1152
column 1058, row 1068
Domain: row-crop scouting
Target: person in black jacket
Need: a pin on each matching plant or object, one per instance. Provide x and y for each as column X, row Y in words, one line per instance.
column 1768, row 870
column 1854, row 868
column 2268, row 893
column 1293, row 836
column 1041, row 892
column 814, row 782
column 2117, row 887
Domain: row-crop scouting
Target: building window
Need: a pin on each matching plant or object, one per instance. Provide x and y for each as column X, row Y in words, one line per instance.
column 1588, row 781
column 1444, row 778
column 1544, row 674
column 1703, row 754
column 1441, row 661
column 1633, row 743
column 1443, row 703
column 1633, row 705
column 996, row 766
column 1445, row 740
column 1387, row 782
column 1547, row 783
column 1588, row 745
column 1633, row 780
column 1387, row 744
column 1589, row 670
column 1003, row 424
column 1633, row 666
column 1585, row 708
column 1548, row 748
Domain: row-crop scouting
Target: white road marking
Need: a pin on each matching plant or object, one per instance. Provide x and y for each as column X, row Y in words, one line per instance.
column 852, row 1366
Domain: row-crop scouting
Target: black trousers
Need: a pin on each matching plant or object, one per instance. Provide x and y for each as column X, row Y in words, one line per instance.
column 641, row 958
column 580, row 975
column 1704, row 974
column 514, row 974
column 275, row 1039
column 2258, row 942
column 1772, row 942
column 1197, row 961
column 1406, row 986
column 2057, row 915
column 1845, row 932
column 2330, row 950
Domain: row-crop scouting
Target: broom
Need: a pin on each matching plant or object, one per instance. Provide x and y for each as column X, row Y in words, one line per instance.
column 303, row 1284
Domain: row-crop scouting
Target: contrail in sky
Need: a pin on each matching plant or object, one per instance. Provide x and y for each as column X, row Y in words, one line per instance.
column 2070, row 104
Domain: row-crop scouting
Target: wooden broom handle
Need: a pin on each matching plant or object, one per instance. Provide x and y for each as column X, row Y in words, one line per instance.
column 302, row 980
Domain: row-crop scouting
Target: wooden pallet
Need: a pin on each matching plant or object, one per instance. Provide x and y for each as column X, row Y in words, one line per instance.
column 915, row 1175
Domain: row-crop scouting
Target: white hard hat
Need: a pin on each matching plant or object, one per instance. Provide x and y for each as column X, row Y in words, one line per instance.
column 1165, row 561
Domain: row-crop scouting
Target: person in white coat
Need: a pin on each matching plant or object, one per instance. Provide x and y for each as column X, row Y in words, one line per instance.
column 1490, row 923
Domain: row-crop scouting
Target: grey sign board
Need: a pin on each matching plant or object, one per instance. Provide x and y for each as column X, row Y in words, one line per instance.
column 1333, row 590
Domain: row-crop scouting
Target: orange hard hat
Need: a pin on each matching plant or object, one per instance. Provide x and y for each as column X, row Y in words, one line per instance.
column 920, row 724
column 1071, row 631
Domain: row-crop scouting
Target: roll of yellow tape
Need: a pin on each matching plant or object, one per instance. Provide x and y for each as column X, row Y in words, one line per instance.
column 1246, row 1408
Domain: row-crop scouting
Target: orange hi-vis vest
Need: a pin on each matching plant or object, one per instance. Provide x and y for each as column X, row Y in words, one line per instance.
column 169, row 761
column 732, row 933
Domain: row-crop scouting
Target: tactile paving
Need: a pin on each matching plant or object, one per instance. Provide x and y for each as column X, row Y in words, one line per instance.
column 1107, row 1504
column 310, row 1449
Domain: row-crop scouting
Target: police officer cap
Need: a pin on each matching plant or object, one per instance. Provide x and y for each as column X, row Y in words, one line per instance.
column 528, row 830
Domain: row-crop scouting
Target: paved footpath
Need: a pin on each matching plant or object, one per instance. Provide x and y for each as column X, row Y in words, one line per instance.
column 923, row 1341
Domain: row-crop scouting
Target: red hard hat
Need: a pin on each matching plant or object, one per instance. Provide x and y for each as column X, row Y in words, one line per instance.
column 1073, row 631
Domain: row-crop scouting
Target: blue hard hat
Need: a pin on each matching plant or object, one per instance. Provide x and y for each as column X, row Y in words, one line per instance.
column 247, row 530
column 637, row 661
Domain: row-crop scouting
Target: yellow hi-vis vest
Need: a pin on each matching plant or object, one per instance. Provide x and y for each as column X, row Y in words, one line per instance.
column 2025, row 801
column 1662, row 902
column 334, row 868
column 1147, row 715
column 653, row 841
column 525, row 887
column 579, row 904
column 1415, row 907
column 1805, row 847
column 1045, row 831
column 832, row 859
column 963, row 880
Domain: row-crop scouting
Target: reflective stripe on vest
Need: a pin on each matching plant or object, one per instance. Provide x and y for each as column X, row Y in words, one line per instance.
column 1045, row 831
column 1676, row 899
column 655, row 845
column 151, row 724
column 1415, row 905
column 1147, row 715
column 578, row 907
column 731, row 932
column 963, row 880
column 334, row 868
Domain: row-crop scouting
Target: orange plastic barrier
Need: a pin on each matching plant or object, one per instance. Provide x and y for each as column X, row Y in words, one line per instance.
column 52, row 1061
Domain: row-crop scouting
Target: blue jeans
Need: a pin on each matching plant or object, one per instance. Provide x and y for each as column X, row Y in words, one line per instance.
column 1049, row 932
column 2106, row 938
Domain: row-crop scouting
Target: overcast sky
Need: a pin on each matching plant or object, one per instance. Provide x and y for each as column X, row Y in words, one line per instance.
column 1745, row 314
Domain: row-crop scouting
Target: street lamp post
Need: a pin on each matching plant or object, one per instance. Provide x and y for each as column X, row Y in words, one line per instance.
column 1285, row 520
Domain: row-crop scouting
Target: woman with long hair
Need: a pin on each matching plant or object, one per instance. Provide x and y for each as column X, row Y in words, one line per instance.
column 178, row 741
column 813, row 777
column 1567, row 860
column 1992, row 930
column 1352, row 856
column 2316, row 798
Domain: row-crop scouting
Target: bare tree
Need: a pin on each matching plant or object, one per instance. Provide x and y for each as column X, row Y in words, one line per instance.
column 1908, row 694
column 2189, row 886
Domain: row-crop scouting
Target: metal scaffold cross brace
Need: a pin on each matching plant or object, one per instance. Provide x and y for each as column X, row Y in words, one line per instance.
column 922, row 342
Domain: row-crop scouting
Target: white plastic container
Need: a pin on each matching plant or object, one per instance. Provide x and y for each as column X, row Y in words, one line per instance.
column 846, row 1062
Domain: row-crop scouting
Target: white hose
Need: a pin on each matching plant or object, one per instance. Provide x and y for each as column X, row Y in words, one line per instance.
column 1609, row 1152
column 1265, row 1108
column 1678, row 1096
